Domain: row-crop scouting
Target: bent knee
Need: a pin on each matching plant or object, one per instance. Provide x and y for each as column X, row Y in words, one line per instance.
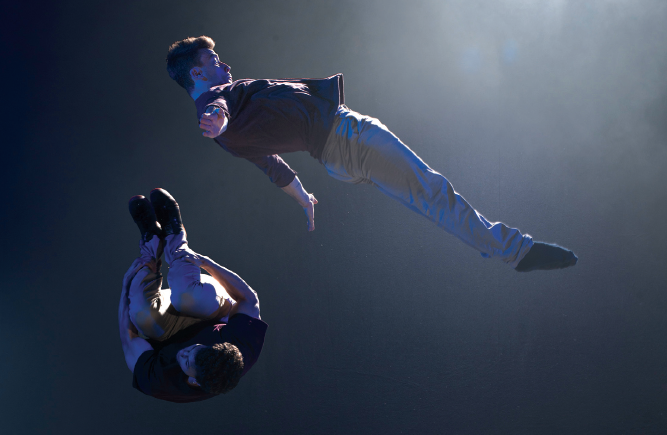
column 199, row 300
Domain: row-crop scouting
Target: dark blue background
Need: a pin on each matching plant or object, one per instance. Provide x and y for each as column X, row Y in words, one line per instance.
column 549, row 116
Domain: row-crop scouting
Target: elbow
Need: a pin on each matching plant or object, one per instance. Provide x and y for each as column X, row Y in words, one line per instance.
column 251, row 298
column 131, row 362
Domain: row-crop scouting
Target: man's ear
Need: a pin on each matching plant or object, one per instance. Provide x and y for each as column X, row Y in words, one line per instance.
column 193, row 382
column 196, row 73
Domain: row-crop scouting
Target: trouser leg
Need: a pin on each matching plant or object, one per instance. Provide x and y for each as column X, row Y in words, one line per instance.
column 151, row 308
column 193, row 293
column 148, row 302
column 360, row 149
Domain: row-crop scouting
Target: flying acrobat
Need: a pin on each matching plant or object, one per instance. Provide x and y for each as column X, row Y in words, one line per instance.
column 259, row 119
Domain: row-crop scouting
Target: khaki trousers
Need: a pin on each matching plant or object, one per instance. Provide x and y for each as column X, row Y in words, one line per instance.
column 360, row 149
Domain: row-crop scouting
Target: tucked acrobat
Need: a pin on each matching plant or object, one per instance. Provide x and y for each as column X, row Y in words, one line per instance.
column 196, row 339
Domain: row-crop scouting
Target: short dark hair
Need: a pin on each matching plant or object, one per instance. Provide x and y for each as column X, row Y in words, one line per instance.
column 219, row 368
column 183, row 56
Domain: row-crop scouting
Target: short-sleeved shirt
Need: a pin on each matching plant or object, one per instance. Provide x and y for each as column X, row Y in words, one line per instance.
column 270, row 117
column 158, row 374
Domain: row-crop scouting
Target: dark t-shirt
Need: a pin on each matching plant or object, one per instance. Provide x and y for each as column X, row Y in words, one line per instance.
column 270, row 117
column 158, row 374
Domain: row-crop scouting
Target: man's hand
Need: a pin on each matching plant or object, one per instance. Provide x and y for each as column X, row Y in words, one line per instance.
column 214, row 122
column 246, row 298
column 309, row 208
column 305, row 200
column 201, row 261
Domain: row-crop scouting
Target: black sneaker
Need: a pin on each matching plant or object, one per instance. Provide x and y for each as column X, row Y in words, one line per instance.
column 546, row 256
column 167, row 211
column 144, row 216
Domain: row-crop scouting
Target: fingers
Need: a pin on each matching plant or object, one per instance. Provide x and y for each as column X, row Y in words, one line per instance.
column 310, row 213
column 209, row 122
column 207, row 125
column 196, row 260
column 208, row 128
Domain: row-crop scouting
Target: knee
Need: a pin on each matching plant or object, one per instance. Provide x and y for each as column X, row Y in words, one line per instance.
column 183, row 302
column 198, row 300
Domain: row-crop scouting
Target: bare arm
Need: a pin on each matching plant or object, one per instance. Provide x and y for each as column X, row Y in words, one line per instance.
column 133, row 345
column 305, row 200
column 246, row 298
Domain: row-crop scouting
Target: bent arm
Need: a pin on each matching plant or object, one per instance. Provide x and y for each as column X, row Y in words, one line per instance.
column 213, row 122
column 221, row 116
column 246, row 298
column 133, row 345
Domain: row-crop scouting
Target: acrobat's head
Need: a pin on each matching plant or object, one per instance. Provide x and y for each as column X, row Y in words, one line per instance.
column 195, row 66
column 215, row 369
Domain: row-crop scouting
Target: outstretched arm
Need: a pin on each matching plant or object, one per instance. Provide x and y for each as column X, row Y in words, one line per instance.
column 133, row 345
column 305, row 200
column 246, row 299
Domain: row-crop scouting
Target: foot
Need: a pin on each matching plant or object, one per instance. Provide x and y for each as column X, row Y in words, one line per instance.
column 546, row 256
column 167, row 211
column 144, row 216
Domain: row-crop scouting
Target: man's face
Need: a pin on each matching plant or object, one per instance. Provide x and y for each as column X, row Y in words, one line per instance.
column 186, row 359
column 216, row 72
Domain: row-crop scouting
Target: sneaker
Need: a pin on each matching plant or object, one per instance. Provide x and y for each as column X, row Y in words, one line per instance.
column 167, row 212
column 144, row 216
column 546, row 256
